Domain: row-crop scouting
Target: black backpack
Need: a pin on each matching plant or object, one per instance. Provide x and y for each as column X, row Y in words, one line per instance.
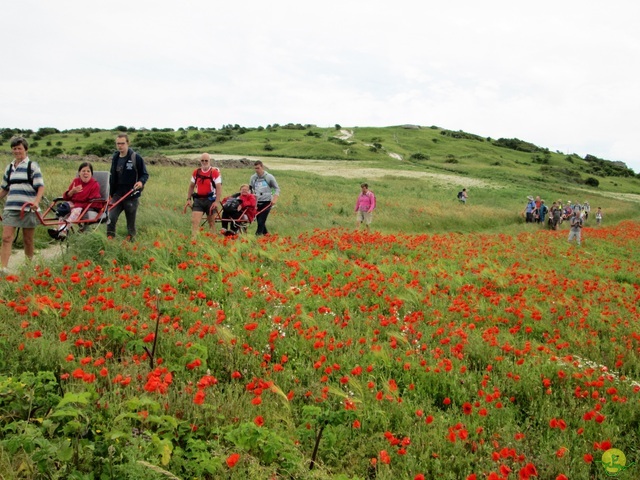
column 232, row 204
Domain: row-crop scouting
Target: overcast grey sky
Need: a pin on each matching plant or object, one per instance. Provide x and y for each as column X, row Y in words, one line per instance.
column 562, row 74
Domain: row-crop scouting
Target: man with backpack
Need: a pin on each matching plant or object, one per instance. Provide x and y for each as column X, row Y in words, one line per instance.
column 265, row 187
column 128, row 178
column 21, row 183
column 205, row 192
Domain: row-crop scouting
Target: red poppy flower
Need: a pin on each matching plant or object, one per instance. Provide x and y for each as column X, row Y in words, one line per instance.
column 199, row 398
column 233, row 459
column 149, row 338
column 384, row 457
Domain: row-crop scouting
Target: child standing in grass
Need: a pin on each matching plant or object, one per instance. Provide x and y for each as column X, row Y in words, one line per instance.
column 599, row 216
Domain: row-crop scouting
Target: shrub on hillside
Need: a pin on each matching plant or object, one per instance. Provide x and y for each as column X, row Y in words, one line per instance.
column 592, row 182
column 43, row 132
column 461, row 135
column 54, row 152
column 97, row 149
column 517, row 144
column 155, row 140
column 608, row 168
column 419, row 156
column 542, row 160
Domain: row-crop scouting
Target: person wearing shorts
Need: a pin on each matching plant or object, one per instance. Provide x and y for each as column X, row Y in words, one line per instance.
column 365, row 205
column 22, row 183
column 205, row 192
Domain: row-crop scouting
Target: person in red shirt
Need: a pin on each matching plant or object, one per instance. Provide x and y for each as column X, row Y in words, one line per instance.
column 205, row 191
column 249, row 203
column 243, row 206
column 83, row 189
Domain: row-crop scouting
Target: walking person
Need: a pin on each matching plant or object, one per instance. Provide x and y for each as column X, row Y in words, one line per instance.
column 599, row 216
column 555, row 216
column 266, row 189
column 365, row 205
column 529, row 210
column 128, row 172
column 542, row 212
column 576, row 226
column 22, row 183
column 205, row 192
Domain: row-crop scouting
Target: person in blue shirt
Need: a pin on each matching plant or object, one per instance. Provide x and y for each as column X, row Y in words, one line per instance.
column 265, row 187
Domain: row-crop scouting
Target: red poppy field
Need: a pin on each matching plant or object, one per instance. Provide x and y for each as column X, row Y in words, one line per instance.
column 334, row 354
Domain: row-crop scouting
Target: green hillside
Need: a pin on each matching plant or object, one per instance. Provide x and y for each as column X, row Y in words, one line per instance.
column 431, row 148
column 414, row 170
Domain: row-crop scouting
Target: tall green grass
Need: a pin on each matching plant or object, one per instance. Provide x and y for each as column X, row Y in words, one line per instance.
column 310, row 200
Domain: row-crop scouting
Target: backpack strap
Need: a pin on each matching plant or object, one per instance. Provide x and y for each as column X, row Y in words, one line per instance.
column 134, row 160
column 29, row 179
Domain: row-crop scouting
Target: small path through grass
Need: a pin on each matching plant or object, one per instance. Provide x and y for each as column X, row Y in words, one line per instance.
column 42, row 256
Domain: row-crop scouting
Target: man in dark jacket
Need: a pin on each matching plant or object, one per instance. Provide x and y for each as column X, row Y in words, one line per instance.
column 128, row 172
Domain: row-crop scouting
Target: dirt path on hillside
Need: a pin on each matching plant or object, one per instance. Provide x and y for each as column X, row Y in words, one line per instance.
column 341, row 168
column 41, row 257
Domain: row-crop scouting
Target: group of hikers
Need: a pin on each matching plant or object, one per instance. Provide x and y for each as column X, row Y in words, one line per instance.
column 536, row 211
column 254, row 200
column 23, row 183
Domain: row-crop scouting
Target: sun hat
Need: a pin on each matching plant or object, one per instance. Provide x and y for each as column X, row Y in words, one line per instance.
column 529, row 197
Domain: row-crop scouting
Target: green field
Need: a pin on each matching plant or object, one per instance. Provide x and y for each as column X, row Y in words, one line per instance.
column 451, row 341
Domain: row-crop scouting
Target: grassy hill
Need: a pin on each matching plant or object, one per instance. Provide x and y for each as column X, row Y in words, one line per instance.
column 430, row 147
column 415, row 171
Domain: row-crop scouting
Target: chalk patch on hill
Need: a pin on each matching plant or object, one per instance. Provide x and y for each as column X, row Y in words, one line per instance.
column 628, row 197
column 344, row 134
column 351, row 170
column 355, row 169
